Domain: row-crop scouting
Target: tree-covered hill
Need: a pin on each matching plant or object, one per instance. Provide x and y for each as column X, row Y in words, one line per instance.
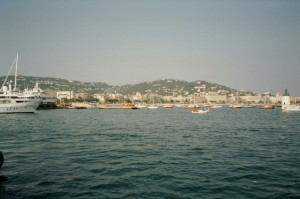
column 161, row 87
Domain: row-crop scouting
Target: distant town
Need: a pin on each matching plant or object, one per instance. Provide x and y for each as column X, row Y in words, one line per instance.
column 168, row 91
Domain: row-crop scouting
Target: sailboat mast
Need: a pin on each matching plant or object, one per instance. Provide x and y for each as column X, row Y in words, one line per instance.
column 16, row 72
column 8, row 73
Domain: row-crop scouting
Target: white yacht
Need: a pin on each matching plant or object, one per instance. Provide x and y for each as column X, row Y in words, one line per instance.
column 11, row 103
column 140, row 106
column 48, row 102
column 10, row 99
column 286, row 104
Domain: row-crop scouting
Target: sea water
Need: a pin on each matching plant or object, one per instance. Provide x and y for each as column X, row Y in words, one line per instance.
column 163, row 153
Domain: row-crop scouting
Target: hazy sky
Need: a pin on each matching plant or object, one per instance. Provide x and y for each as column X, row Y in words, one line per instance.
column 244, row 44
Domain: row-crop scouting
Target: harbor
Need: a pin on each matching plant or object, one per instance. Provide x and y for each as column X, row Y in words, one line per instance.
column 148, row 99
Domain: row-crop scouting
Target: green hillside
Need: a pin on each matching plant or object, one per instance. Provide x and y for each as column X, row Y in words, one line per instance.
column 160, row 87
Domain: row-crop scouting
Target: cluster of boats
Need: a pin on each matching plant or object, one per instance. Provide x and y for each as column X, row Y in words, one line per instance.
column 114, row 106
column 238, row 106
column 286, row 106
column 194, row 108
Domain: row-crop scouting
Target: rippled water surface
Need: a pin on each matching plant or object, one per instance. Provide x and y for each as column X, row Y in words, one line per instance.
column 164, row 153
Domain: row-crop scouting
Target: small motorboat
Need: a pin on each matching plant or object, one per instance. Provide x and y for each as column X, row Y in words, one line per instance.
column 267, row 107
column 201, row 111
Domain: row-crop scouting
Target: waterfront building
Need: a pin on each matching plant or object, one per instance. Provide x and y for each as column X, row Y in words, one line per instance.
column 100, row 97
column 252, row 99
column 196, row 99
column 167, row 99
column 81, row 95
column 293, row 100
column 65, row 95
column 215, row 97
column 274, row 99
column 179, row 99
column 137, row 97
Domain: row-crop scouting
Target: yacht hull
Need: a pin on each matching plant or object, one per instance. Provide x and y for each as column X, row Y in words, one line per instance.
column 18, row 108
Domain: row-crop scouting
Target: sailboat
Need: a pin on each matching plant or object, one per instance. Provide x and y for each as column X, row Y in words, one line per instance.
column 10, row 101
column 152, row 106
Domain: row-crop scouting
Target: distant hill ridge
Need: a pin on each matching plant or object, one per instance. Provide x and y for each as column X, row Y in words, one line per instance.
column 164, row 87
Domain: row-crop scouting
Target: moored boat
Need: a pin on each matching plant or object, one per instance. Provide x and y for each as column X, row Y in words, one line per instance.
column 216, row 106
column 267, row 107
column 168, row 106
column 201, row 110
column 119, row 106
column 248, row 106
column 193, row 106
column 235, row 106
column 10, row 99
column 11, row 103
column 48, row 102
column 138, row 106
column 152, row 107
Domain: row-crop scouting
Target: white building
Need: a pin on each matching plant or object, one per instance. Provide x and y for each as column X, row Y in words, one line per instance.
column 137, row 97
column 251, row 99
column 216, row 98
column 100, row 97
column 65, row 95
